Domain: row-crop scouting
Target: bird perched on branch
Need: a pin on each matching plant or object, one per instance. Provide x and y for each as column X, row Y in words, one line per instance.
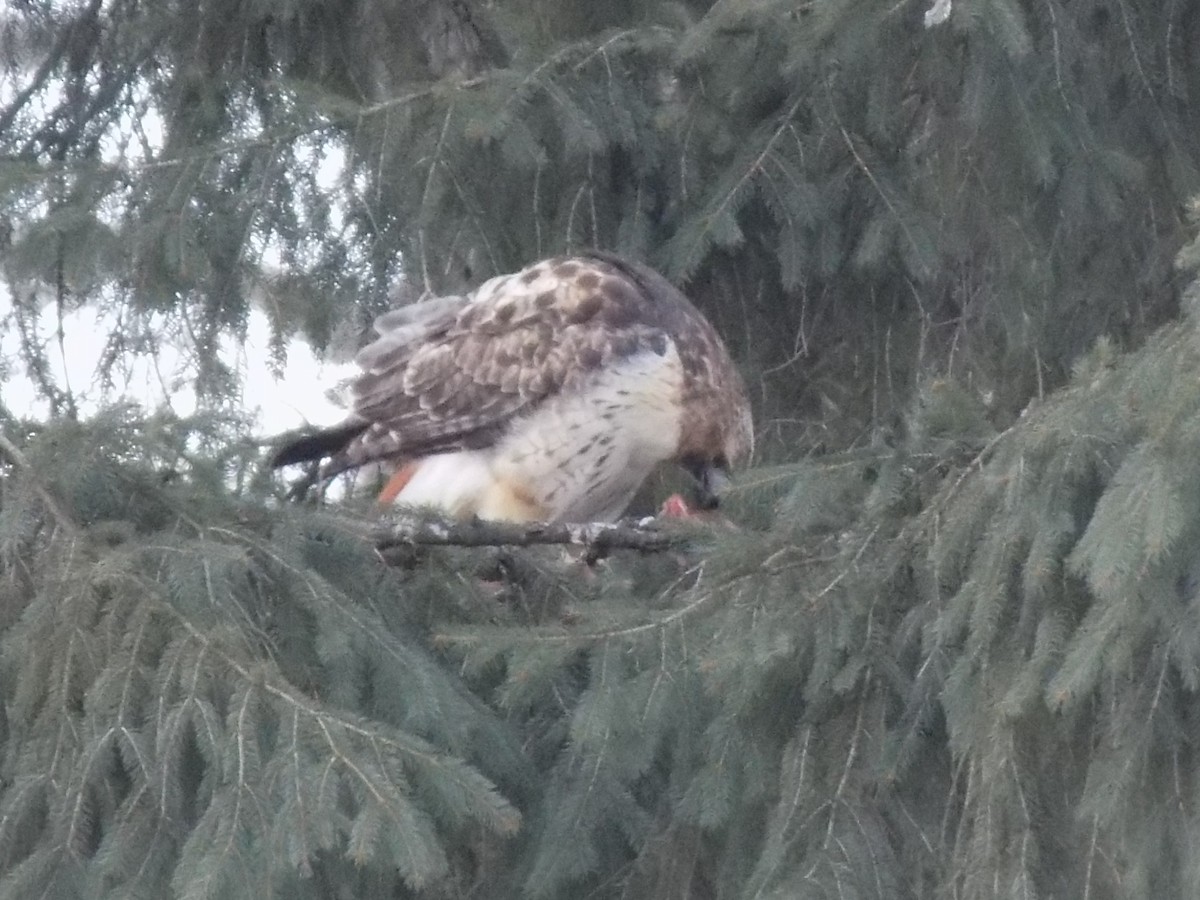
column 545, row 395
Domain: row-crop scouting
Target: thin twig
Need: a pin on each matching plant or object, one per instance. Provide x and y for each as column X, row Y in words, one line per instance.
column 53, row 505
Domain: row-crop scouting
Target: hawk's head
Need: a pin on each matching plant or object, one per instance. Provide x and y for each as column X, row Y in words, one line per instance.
column 727, row 442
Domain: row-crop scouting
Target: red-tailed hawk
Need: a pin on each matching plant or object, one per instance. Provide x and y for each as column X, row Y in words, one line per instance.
column 546, row 395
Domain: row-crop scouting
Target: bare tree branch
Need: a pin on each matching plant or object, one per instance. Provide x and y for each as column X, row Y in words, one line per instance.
column 53, row 505
column 598, row 538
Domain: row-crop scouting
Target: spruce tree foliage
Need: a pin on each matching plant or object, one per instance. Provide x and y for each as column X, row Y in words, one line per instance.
column 859, row 199
column 206, row 697
column 957, row 657
column 961, row 667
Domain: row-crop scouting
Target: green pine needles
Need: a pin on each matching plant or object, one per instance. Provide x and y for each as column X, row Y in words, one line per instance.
column 953, row 668
column 951, row 653
column 215, row 704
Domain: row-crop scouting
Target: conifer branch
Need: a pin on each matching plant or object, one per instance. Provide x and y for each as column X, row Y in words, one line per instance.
column 218, row 149
column 62, row 46
column 866, row 170
column 335, row 727
column 658, row 623
column 597, row 537
column 53, row 505
column 729, row 199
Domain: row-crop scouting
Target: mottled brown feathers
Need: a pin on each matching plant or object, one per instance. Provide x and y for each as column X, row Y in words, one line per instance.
column 455, row 372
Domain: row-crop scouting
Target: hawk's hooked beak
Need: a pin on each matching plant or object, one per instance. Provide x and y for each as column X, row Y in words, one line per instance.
column 711, row 482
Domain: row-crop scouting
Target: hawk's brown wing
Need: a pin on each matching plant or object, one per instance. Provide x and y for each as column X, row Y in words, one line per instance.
column 452, row 379
column 452, row 373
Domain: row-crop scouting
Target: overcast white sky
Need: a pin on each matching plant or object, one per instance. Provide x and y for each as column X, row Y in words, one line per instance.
column 298, row 397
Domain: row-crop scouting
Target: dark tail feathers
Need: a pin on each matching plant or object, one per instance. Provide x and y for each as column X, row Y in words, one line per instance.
column 317, row 445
